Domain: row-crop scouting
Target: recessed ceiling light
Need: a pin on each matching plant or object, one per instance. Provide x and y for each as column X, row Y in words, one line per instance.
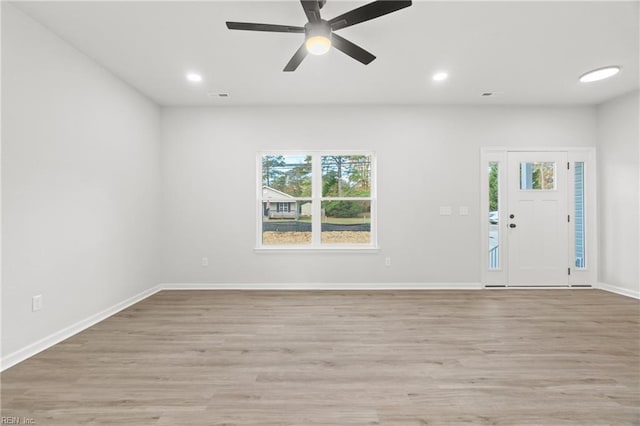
column 194, row 78
column 599, row 74
column 440, row 76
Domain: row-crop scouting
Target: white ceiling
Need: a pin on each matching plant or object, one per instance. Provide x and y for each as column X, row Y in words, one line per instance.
column 528, row 52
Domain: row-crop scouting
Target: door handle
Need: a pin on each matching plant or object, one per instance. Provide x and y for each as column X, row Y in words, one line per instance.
column 512, row 225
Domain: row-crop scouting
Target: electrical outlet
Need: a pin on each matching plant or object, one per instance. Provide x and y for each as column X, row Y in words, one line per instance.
column 387, row 261
column 36, row 303
column 205, row 261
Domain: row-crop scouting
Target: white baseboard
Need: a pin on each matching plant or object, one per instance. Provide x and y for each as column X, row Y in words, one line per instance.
column 537, row 287
column 321, row 286
column 57, row 337
column 619, row 290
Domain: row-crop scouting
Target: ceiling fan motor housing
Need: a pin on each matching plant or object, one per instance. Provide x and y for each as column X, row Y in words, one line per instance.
column 317, row 29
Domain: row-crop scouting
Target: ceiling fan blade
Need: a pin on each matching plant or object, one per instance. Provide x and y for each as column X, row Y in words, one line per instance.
column 367, row 12
column 311, row 9
column 249, row 26
column 355, row 51
column 296, row 59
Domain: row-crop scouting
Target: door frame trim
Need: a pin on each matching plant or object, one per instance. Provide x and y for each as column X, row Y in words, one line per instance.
column 587, row 276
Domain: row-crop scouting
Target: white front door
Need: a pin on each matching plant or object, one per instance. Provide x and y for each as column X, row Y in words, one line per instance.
column 537, row 219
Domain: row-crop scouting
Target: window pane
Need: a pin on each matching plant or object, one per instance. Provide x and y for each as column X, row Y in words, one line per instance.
column 539, row 176
column 346, row 222
column 579, row 215
column 346, row 175
column 288, row 174
column 494, row 210
column 283, row 228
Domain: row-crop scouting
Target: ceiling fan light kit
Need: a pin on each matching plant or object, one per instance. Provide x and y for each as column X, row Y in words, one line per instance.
column 318, row 37
column 320, row 34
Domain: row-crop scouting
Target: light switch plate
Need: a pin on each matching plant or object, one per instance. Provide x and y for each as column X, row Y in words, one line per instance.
column 36, row 303
column 445, row 210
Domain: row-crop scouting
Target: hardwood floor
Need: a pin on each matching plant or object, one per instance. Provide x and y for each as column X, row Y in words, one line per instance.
column 516, row 357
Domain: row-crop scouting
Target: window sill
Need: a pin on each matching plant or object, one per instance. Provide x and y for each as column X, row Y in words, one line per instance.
column 302, row 249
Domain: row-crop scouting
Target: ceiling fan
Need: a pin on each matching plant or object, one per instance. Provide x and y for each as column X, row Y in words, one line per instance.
column 320, row 34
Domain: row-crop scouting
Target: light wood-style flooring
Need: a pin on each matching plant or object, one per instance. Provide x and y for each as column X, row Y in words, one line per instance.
column 492, row 357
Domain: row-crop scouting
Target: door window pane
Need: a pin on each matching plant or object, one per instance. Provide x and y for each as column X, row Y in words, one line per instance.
column 494, row 216
column 538, row 176
column 579, row 225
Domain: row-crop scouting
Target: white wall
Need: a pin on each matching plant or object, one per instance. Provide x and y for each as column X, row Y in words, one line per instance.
column 618, row 180
column 80, row 185
column 427, row 157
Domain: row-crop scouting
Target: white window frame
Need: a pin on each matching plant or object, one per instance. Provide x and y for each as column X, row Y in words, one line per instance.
column 496, row 276
column 316, row 199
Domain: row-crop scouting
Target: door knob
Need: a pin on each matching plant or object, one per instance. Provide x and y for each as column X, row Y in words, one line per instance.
column 512, row 225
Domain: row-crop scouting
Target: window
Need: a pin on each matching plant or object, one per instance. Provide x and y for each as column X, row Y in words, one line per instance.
column 317, row 200
column 579, row 224
column 283, row 207
column 538, row 176
column 494, row 215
